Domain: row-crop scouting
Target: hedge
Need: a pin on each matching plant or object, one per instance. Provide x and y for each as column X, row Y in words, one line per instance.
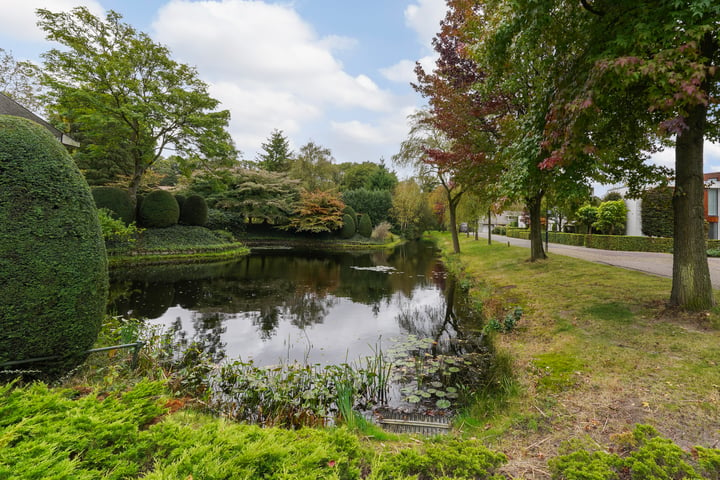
column 117, row 200
column 159, row 209
column 53, row 266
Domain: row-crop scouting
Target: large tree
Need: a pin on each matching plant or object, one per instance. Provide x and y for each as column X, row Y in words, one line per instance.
column 314, row 167
column 18, row 80
column 125, row 99
column 650, row 76
column 465, row 115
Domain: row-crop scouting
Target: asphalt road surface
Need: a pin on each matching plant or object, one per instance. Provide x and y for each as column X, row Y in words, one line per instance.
column 648, row 262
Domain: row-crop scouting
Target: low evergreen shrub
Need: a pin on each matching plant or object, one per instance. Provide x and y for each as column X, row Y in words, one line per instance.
column 117, row 201
column 159, row 209
column 228, row 220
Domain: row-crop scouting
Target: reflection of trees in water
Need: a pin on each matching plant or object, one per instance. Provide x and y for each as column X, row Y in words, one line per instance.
column 208, row 329
column 452, row 326
column 269, row 286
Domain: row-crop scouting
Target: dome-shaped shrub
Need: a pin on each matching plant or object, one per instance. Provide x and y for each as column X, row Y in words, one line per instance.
column 159, row 209
column 365, row 226
column 53, row 266
column 181, row 200
column 348, row 228
column 116, row 200
column 194, row 211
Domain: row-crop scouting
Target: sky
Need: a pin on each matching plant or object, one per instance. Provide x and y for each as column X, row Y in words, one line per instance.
column 335, row 72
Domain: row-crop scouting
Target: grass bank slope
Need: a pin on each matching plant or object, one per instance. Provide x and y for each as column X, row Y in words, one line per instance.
column 596, row 351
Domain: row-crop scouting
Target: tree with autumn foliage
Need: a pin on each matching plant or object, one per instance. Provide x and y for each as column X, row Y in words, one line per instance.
column 317, row 212
column 457, row 132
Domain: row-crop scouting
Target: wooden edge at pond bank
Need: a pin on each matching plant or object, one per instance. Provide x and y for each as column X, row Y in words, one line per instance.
column 596, row 352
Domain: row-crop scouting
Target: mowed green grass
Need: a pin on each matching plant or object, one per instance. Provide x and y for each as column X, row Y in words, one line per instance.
column 596, row 351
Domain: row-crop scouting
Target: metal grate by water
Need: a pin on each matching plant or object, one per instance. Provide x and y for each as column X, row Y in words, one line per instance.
column 400, row 422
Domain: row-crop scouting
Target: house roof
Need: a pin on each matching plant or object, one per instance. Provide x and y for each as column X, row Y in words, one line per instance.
column 8, row 106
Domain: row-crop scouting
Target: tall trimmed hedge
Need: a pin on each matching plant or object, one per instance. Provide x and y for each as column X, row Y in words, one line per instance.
column 365, row 226
column 348, row 230
column 116, row 200
column 159, row 209
column 657, row 212
column 53, row 266
column 194, row 211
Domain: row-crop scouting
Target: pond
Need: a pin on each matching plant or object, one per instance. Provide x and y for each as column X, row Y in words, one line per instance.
column 311, row 307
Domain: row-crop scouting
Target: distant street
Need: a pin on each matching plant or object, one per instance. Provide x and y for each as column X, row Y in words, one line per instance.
column 653, row 263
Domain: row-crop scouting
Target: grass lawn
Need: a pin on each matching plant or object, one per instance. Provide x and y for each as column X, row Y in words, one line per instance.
column 596, row 351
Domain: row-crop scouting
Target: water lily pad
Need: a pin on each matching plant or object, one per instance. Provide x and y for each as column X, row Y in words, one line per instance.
column 442, row 403
column 436, row 384
column 413, row 399
column 451, row 389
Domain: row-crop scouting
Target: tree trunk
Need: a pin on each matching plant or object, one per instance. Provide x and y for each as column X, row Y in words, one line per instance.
column 691, row 286
column 452, row 207
column 489, row 228
column 536, row 247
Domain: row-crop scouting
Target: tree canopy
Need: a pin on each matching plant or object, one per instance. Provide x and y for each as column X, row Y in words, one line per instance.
column 124, row 98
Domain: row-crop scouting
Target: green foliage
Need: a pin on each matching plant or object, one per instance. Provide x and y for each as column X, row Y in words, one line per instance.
column 180, row 199
column 443, row 457
column 117, row 235
column 348, row 229
column 375, row 203
column 276, row 155
column 644, row 455
column 557, row 371
column 258, row 195
column 657, row 212
column 179, row 237
column 612, row 216
column 124, row 98
column 159, row 209
column 317, row 212
column 194, row 211
column 116, row 200
column 365, row 227
column 612, row 196
column 505, row 325
column 587, row 215
column 53, row 266
column 226, row 220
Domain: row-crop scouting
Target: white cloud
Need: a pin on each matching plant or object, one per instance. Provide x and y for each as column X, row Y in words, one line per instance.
column 404, row 70
column 424, row 17
column 18, row 18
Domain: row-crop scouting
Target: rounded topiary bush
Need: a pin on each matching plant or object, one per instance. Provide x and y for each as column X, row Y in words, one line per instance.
column 116, row 200
column 181, row 200
column 194, row 211
column 348, row 228
column 159, row 209
column 365, row 226
column 53, row 266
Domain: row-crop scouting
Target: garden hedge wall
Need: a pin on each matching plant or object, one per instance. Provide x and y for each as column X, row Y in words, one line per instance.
column 607, row 242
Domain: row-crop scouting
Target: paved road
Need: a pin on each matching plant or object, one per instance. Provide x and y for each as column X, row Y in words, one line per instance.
column 653, row 263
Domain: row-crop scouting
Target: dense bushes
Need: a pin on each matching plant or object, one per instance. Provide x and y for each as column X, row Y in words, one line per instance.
column 348, row 229
column 193, row 211
column 365, row 226
column 233, row 222
column 53, row 267
column 117, row 201
column 605, row 242
column 375, row 203
column 657, row 212
column 159, row 209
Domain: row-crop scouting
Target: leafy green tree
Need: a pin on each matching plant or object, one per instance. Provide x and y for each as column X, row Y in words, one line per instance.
column 314, row 167
column 611, row 216
column 258, row 195
column 18, row 80
column 587, row 215
column 276, row 155
column 124, row 99
column 409, row 206
column 382, row 178
column 317, row 212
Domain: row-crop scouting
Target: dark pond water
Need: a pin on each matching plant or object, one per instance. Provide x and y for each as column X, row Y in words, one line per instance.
column 298, row 305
